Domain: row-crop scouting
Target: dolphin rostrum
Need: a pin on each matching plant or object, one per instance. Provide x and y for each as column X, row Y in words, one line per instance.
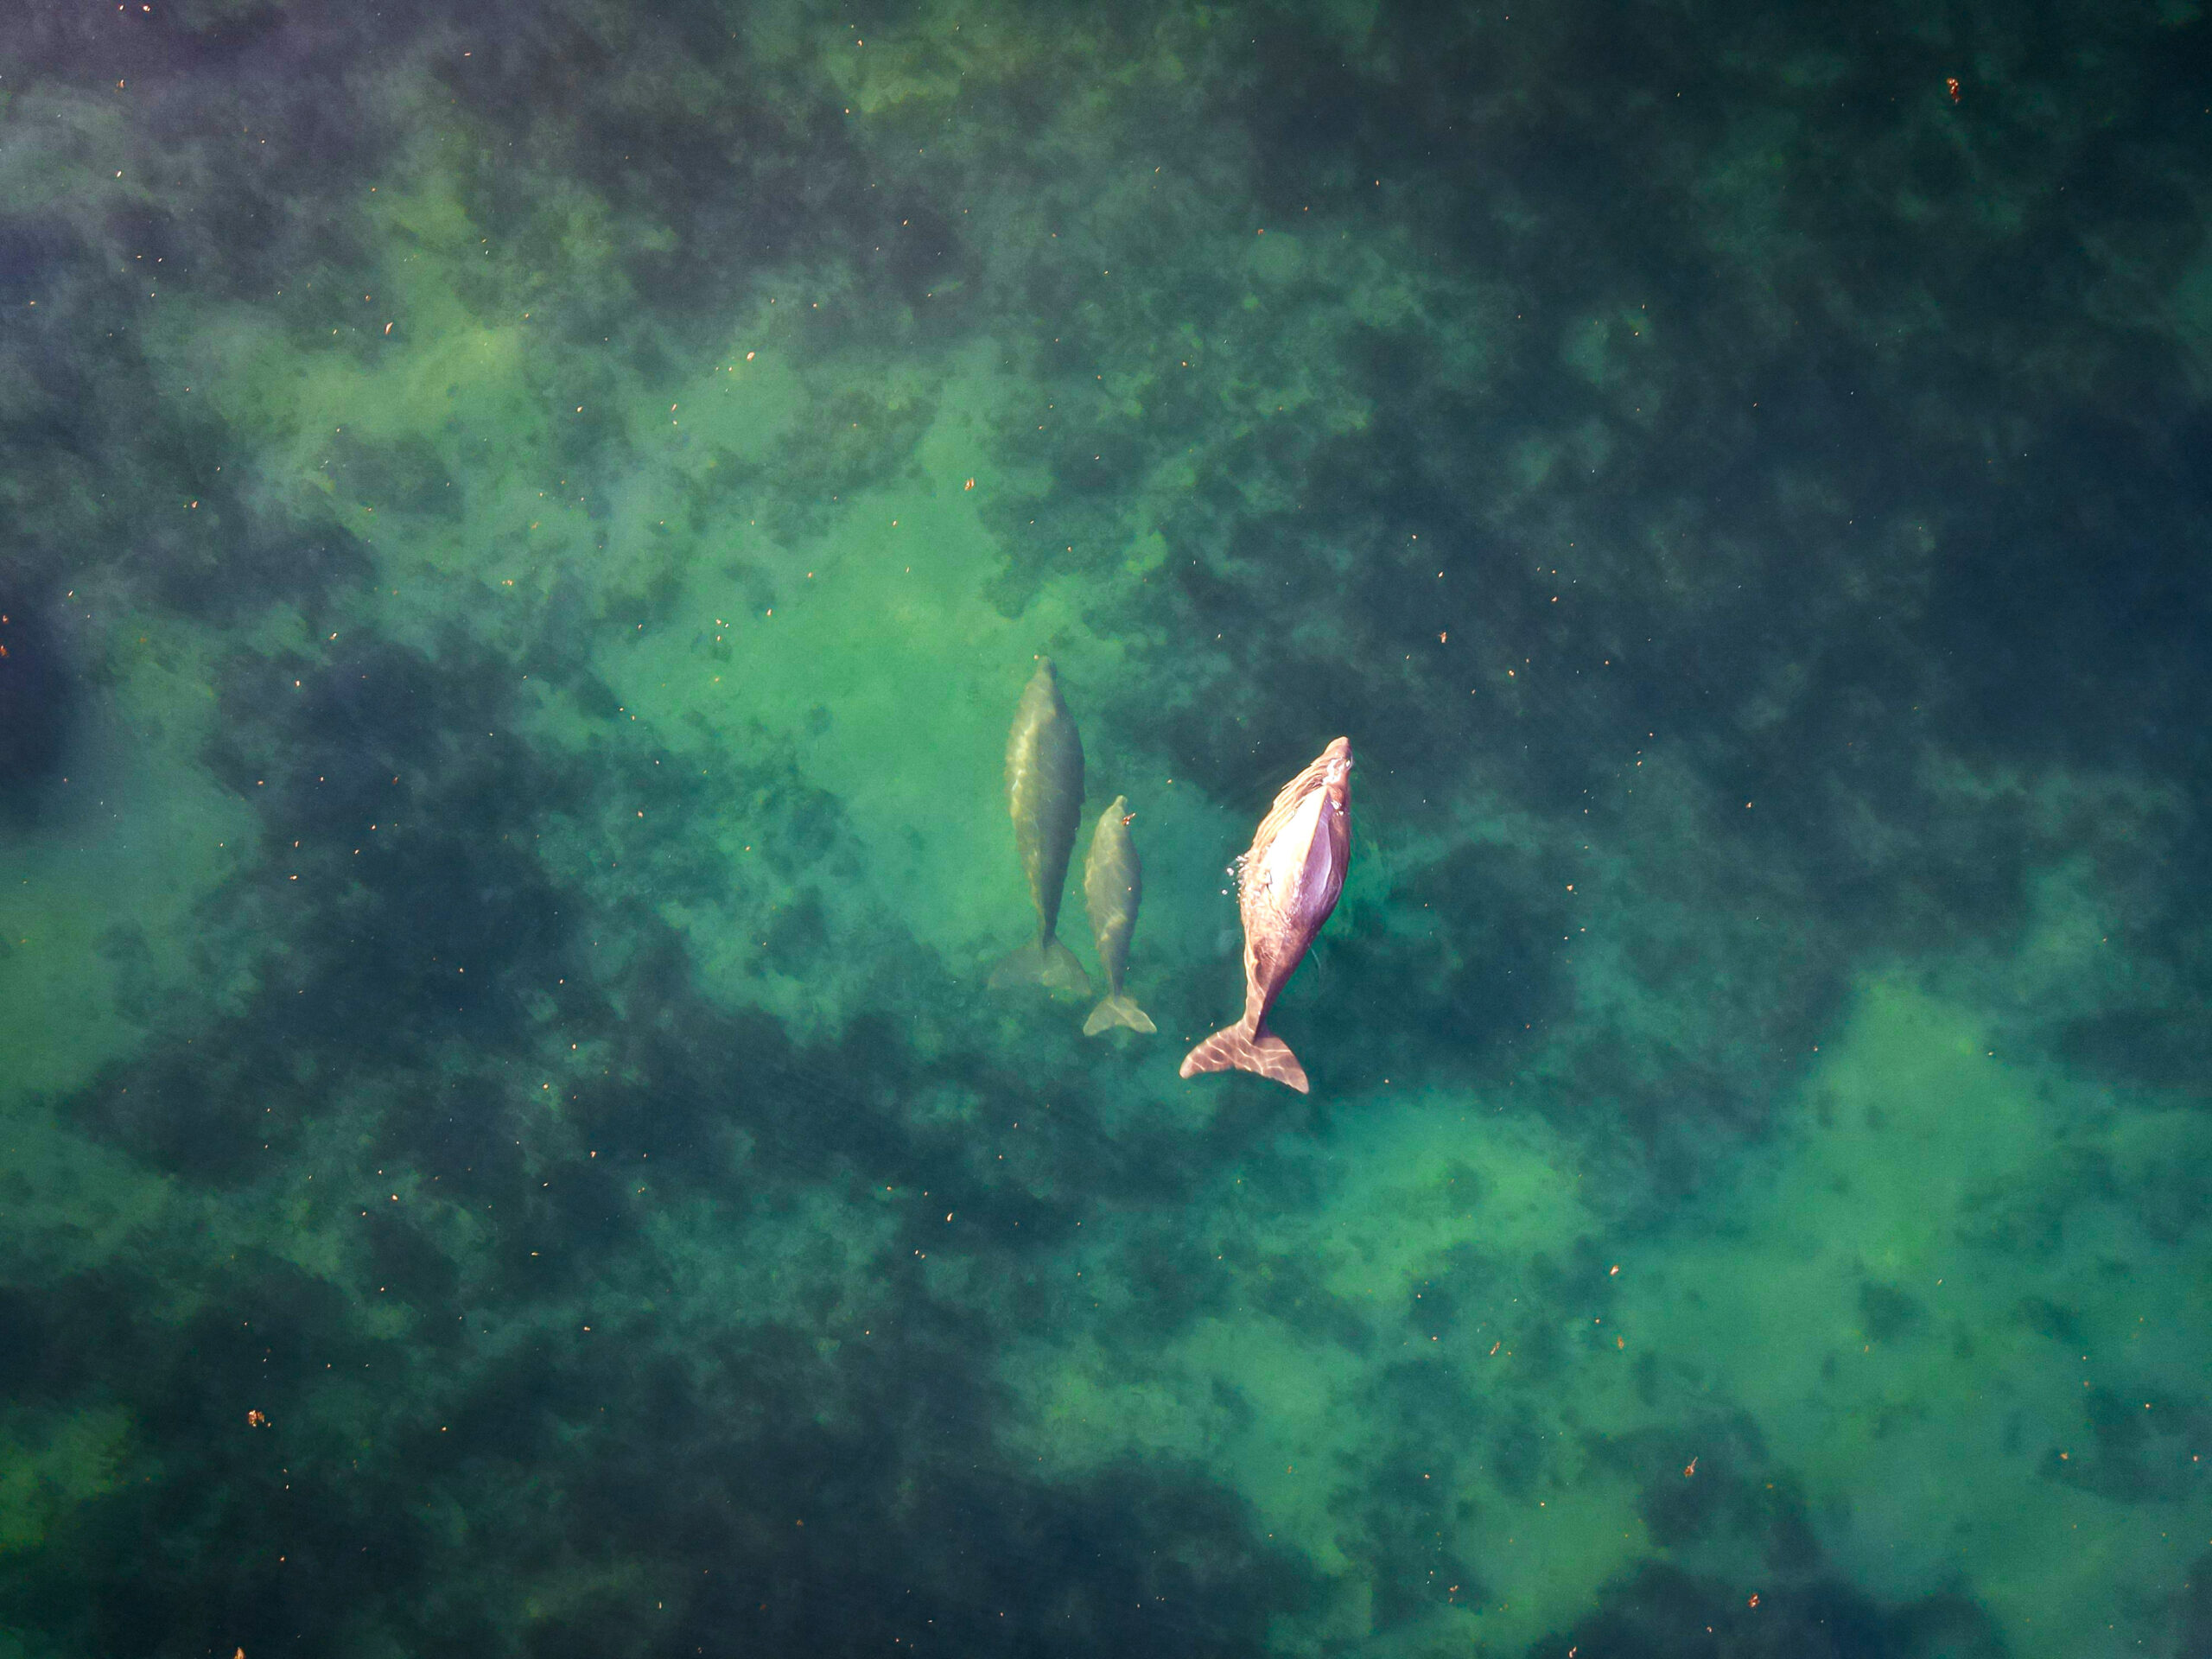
column 1044, row 792
column 1287, row 884
column 1113, row 886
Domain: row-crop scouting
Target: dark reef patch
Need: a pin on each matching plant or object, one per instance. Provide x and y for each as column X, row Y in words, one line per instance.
column 1666, row 1612
column 37, row 697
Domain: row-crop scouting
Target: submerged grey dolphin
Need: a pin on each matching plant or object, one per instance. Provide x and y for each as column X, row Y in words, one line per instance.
column 1112, row 887
column 1044, row 792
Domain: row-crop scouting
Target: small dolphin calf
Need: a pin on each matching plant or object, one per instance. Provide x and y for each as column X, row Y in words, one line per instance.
column 1044, row 792
column 1287, row 884
column 1113, row 886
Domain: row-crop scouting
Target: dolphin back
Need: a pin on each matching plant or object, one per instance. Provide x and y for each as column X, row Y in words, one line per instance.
column 1044, row 789
column 1112, row 887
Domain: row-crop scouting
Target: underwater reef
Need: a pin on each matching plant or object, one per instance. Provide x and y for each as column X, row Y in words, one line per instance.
column 522, row 532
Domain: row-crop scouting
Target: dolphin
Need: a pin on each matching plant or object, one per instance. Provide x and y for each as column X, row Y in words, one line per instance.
column 1044, row 792
column 1113, row 886
column 1287, row 884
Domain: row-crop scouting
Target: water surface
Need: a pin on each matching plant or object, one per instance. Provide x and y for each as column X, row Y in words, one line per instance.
column 522, row 530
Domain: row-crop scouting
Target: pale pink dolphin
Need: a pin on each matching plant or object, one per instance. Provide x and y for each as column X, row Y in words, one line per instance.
column 1287, row 884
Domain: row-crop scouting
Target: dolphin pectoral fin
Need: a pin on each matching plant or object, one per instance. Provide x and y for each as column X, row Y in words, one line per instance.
column 1118, row 1010
column 1263, row 1053
column 1050, row 964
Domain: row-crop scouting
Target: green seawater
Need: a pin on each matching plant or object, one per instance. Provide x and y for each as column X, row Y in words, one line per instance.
column 522, row 530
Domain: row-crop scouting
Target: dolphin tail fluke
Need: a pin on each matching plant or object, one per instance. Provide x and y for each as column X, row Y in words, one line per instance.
column 1050, row 964
column 1232, row 1049
column 1118, row 1010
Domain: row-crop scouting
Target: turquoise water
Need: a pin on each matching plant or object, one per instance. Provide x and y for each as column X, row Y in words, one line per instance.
column 522, row 532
